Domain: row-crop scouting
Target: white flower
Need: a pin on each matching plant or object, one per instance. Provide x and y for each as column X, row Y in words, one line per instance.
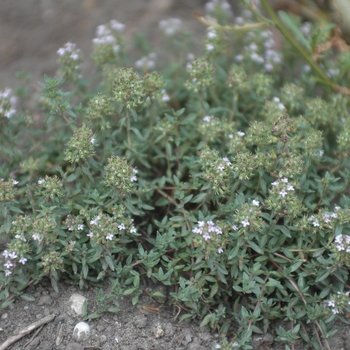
column 22, row 238
column 255, row 202
column 36, row 236
column 90, row 234
column 80, row 227
column 240, row 133
column 8, row 272
column 239, row 21
column 13, row 255
column 234, row 228
column 220, row 250
column 109, row 237
column 14, row 182
column 209, row 47
column 211, row 33
column 133, row 179
column 165, row 96
column 117, row 26
column 315, row 223
column 23, row 260
column 226, row 160
column 94, row 221
column 290, row 188
column 92, row 140
column 285, row 180
column 133, row 230
column 221, row 167
column 207, row 118
column 245, row 223
column 121, row 227
column 170, row 26
column 268, row 67
column 41, row 181
column 8, row 264
column 206, row 237
column 283, row 193
column 253, row 46
column 276, row 183
column 5, row 253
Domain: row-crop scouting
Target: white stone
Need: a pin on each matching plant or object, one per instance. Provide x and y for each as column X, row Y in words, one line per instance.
column 76, row 302
column 81, row 331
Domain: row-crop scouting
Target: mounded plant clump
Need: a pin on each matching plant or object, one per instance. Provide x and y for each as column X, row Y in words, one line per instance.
column 224, row 175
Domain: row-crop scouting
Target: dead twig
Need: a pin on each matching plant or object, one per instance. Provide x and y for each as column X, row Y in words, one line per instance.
column 34, row 335
column 26, row 331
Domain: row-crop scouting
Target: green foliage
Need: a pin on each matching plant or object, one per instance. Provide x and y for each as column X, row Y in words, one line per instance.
column 218, row 177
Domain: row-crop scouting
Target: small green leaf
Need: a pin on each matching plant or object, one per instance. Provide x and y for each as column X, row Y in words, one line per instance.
column 255, row 247
column 129, row 291
column 214, row 290
column 199, row 198
column 206, row 320
column 27, row 297
column 16, row 210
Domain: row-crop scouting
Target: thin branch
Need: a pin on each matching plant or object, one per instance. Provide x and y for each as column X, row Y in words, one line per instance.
column 26, row 331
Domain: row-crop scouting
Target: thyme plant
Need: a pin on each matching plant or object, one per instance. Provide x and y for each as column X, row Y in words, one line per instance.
column 223, row 176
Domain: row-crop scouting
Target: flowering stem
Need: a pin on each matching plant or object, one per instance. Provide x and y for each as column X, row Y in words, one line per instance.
column 286, row 33
column 128, row 127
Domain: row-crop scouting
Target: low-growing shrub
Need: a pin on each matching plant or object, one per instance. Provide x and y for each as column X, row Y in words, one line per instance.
column 223, row 176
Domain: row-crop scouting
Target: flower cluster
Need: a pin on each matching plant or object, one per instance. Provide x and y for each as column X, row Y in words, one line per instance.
column 120, row 174
column 50, row 187
column 106, row 229
column 128, row 88
column 108, row 42
column 70, row 60
column 339, row 302
column 8, row 190
column 30, row 164
column 213, row 128
column 218, row 8
column 214, row 41
column 74, row 223
column 10, row 263
column 283, row 199
column 7, row 103
column 283, row 187
column 81, row 145
column 153, row 84
column 209, row 232
column 170, row 26
column 43, row 230
column 146, row 63
column 201, row 73
column 216, row 170
column 247, row 218
column 52, row 261
column 343, row 138
column 99, row 107
column 237, row 78
column 103, row 228
column 259, row 49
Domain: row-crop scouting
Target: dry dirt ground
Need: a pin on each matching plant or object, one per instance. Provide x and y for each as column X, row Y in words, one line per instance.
column 31, row 31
